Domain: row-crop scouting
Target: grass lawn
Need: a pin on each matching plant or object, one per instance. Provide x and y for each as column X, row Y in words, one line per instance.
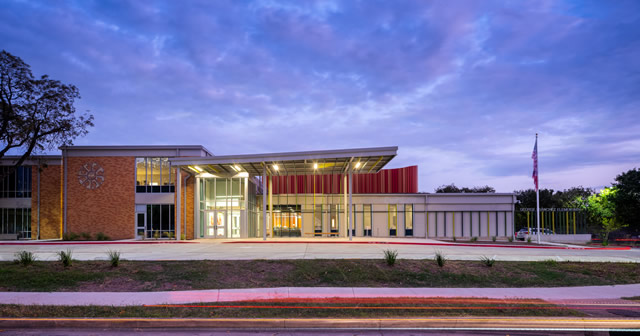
column 213, row 274
column 371, row 308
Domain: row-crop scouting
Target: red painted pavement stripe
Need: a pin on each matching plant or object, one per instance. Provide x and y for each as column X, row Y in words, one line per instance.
column 95, row 243
column 389, row 307
column 430, row 244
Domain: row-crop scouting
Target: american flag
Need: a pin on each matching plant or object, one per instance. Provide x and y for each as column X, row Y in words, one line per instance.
column 534, row 156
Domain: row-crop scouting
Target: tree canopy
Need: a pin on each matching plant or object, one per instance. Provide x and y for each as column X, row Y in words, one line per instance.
column 452, row 188
column 627, row 199
column 36, row 114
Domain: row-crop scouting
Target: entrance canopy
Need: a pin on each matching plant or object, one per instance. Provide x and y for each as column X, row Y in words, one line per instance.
column 362, row 160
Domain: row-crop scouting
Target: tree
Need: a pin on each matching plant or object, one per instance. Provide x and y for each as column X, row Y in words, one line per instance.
column 601, row 209
column 452, row 188
column 36, row 114
column 627, row 199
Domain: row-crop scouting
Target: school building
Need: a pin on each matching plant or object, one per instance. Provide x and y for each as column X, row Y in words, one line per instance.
column 186, row 192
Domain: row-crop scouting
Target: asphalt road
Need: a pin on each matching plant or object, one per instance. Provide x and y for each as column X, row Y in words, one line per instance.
column 366, row 249
column 317, row 332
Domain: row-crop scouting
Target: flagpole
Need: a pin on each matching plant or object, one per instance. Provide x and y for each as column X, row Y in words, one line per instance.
column 537, row 192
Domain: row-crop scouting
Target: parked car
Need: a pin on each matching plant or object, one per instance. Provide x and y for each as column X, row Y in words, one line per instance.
column 531, row 231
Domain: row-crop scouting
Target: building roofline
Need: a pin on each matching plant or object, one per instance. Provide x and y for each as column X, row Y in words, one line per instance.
column 309, row 155
column 136, row 147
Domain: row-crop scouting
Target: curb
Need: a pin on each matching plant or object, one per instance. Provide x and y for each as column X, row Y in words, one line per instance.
column 487, row 323
column 621, row 248
column 100, row 243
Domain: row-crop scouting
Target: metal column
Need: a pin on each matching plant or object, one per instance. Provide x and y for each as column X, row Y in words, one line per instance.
column 350, row 206
column 264, row 202
column 178, row 202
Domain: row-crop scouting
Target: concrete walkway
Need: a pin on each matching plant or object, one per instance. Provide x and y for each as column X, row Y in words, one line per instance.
column 226, row 295
column 320, row 248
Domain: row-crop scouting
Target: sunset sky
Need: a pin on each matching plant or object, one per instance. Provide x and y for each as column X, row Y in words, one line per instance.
column 461, row 87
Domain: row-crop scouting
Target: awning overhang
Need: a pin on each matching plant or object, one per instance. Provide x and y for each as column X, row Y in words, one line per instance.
column 360, row 160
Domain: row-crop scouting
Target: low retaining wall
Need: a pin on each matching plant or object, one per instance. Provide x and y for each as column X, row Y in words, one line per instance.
column 562, row 238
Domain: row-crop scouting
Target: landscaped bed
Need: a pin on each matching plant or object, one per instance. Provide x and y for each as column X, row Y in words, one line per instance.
column 214, row 274
column 356, row 308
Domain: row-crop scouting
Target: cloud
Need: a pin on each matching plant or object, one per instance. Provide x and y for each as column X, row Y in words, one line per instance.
column 461, row 87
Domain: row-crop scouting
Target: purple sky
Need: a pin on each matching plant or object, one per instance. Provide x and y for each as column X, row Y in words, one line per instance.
column 460, row 86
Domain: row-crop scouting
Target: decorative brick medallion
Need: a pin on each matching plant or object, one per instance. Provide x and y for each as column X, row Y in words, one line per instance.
column 91, row 175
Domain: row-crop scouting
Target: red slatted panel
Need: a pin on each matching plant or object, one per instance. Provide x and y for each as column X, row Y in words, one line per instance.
column 387, row 181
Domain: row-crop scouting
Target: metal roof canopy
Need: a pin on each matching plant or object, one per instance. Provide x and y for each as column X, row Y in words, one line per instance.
column 292, row 163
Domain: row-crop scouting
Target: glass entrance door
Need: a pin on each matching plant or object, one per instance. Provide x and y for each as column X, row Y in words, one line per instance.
column 140, row 225
column 216, row 224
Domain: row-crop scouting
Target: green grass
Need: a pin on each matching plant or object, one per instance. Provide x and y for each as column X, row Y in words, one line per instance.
column 212, row 274
column 291, row 310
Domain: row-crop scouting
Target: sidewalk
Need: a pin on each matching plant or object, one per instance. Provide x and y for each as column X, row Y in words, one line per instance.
column 227, row 295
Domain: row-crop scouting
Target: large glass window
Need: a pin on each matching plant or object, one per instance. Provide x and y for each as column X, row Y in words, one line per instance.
column 393, row 219
column 408, row 219
column 317, row 219
column 154, row 175
column 286, row 221
column 16, row 221
column 161, row 221
column 16, row 184
column 334, row 218
column 366, row 219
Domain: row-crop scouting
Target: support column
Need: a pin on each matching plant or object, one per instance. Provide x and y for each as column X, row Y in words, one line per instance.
column 271, row 204
column 346, row 211
column 350, row 206
column 264, row 202
column 178, row 223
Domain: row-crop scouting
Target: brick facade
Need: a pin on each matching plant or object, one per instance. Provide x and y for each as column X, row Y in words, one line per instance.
column 50, row 202
column 108, row 208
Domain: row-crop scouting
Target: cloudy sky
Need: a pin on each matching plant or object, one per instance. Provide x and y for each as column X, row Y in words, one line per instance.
column 460, row 86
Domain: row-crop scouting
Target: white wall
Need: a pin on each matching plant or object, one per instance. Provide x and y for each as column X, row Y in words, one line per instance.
column 427, row 208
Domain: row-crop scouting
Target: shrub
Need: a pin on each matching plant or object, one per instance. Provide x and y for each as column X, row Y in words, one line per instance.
column 25, row 258
column 86, row 235
column 101, row 236
column 183, row 237
column 474, row 239
column 605, row 242
column 550, row 262
column 440, row 258
column 510, row 239
column 65, row 257
column 488, row 261
column 69, row 236
column 493, row 239
column 390, row 256
column 170, row 235
column 156, row 235
column 529, row 240
column 114, row 257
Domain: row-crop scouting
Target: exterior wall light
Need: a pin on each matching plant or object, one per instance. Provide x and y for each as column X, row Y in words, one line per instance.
column 357, row 164
column 315, row 166
column 275, row 167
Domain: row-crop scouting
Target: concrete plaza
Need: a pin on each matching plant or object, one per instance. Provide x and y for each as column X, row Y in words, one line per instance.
column 320, row 248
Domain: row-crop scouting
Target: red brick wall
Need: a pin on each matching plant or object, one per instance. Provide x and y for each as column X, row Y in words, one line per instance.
column 50, row 202
column 191, row 183
column 110, row 208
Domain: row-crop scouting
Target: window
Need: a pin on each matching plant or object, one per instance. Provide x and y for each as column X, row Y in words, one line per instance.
column 154, row 175
column 16, row 220
column 408, row 219
column 160, row 221
column 334, row 218
column 352, row 225
column 17, row 184
column 317, row 218
column 393, row 219
column 366, row 219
